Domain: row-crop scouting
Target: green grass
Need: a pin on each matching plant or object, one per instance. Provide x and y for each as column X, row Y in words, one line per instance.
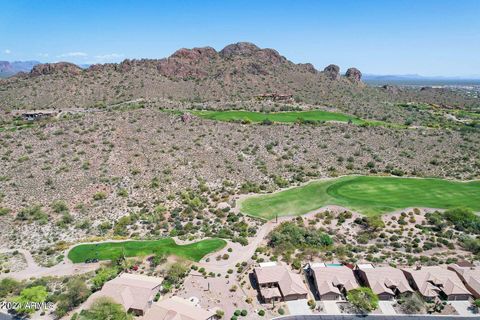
column 368, row 195
column 288, row 116
column 113, row 250
column 284, row 117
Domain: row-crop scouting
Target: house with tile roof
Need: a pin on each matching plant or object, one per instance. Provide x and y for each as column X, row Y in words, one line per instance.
column 134, row 292
column 177, row 308
column 435, row 282
column 470, row 276
column 277, row 283
column 385, row 282
column 332, row 282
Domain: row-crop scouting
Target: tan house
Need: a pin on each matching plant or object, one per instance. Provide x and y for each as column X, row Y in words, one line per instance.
column 470, row 276
column 333, row 282
column 434, row 282
column 134, row 292
column 277, row 283
column 176, row 308
column 31, row 115
column 274, row 97
column 386, row 282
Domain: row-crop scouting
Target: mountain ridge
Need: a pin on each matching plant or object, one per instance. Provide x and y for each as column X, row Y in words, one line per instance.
column 238, row 72
column 10, row 68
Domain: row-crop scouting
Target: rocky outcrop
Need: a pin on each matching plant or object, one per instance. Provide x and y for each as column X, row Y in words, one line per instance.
column 332, row 72
column 195, row 54
column 308, row 67
column 239, row 49
column 247, row 49
column 55, row 68
column 391, row 89
column 354, row 75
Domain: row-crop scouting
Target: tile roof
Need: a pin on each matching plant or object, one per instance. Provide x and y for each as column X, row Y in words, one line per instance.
column 470, row 275
column 177, row 308
column 386, row 279
column 432, row 280
column 330, row 278
column 289, row 282
column 131, row 291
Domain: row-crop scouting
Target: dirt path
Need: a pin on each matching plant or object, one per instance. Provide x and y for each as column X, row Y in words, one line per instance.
column 33, row 270
column 239, row 253
column 244, row 253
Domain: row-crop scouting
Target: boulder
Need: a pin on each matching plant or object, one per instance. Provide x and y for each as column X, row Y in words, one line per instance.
column 391, row 89
column 353, row 74
column 332, row 71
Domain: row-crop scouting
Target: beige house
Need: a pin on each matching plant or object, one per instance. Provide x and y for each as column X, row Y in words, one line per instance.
column 470, row 277
column 386, row 282
column 134, row 292
column 333, row 282
column 277, row 283
column 433, row 282
column 176, row 308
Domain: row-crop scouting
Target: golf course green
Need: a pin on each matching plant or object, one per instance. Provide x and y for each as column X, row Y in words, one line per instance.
column 287, row 116
column 113, row 250
column 366, row 194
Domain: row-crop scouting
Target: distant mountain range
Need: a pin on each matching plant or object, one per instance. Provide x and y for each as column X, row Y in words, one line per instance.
column 8, row 69
column 415, row 79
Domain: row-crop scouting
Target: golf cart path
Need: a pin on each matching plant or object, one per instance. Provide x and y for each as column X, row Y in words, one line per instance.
column 33, row 270
column 244, row 253
column 238, row 255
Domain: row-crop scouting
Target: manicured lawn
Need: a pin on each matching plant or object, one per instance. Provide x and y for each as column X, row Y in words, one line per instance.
column 112, row 250
column 288, row 116
column 368, row 195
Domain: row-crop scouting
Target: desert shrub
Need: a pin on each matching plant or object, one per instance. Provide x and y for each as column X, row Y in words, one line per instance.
column 290, row 234
column 33, row 213
column 76, row 293
column 103, row 275
column 411, row 303
column 99, row 196
column 363, row 299
column 463, row 219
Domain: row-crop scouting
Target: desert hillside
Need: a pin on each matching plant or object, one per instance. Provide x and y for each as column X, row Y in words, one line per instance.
column 238, row 72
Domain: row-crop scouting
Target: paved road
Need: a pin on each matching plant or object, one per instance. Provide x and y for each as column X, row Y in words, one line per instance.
column 373, row 317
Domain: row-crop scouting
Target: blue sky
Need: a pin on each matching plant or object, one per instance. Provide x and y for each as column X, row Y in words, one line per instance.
column 427, row 37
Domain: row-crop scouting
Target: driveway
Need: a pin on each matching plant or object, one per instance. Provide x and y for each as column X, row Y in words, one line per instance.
column 462, row 308
column 387, row 307
column 331, row 307
column 298, row 307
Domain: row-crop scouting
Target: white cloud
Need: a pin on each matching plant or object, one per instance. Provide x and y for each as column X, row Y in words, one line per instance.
column 72, row 54
column 7, row 51
column 43, row 55
column 109, row 57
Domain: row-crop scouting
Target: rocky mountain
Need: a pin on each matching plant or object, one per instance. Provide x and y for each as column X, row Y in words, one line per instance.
column 239, row 71
column 8, row 69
